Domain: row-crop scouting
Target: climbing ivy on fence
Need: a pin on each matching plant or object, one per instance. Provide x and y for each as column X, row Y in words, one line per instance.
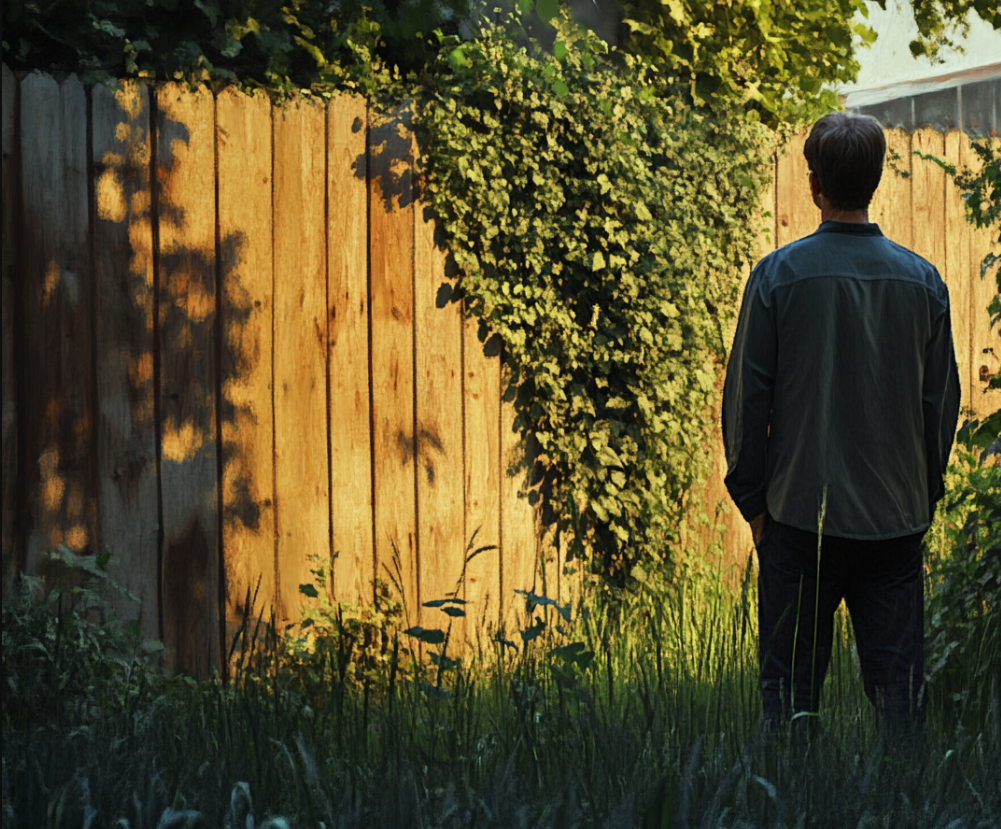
column 598, row 225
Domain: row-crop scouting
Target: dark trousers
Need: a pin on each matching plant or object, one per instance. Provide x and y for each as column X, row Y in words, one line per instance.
column 882, row 585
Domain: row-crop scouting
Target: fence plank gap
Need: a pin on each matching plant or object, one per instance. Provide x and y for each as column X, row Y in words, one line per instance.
column 244, row 151
column 128, row 524
column 300, row 352
column 187, row 307
column 481, row 414
column 11, row 218
column 58, row 426
column 391, row 254
column 347, row 329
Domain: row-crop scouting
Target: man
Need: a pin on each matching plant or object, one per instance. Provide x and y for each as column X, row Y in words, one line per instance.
column 839, row 409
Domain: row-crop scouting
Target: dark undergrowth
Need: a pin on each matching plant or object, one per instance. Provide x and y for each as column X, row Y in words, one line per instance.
column 642, row 717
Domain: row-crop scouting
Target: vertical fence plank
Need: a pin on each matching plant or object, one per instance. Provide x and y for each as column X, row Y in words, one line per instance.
column 481, row 413
column 797, row 215
column 185, row 210
column 58, row 411
column 928, row 183
column 438, row 359
column 519, row 542
column 891, row 205
column 985, row 347
column 391, row 251
column 128, row 524
column 244, row 152
column 301, row 451
column 957, row 267
column 347, row 328
column 10, row 448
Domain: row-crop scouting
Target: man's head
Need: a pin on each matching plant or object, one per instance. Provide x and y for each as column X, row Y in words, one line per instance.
column 845, row 153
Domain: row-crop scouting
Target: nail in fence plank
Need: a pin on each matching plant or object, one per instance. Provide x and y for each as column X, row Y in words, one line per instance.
column 957, row 265
column 301, row 450
column 60, row 475
column 185, row 205
column 391, row 251
column 481, row 410
column 438, row 356
column 892, row 202
column 519, row 541
column 797, row 216
column 986, row 344
column 347, row 328
column 244, row 151
column 128, row 521
column 10, row 219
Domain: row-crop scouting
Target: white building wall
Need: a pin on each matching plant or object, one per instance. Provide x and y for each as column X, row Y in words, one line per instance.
column 889, row 60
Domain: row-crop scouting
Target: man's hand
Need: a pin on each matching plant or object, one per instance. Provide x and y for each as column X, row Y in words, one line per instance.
column 758, row 528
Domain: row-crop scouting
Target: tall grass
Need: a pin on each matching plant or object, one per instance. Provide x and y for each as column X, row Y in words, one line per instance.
column 642, row 717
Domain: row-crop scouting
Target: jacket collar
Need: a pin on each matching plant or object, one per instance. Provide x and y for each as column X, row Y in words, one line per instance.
column 850, row 228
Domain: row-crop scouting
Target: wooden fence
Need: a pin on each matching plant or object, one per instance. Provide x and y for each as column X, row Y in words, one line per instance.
column 227, row 355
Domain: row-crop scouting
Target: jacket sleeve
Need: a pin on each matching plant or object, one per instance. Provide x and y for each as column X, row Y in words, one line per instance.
column 940, row 403
column 747, row 399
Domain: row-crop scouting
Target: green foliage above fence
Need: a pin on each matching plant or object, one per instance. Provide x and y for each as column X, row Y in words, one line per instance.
column 781, row 58
column 599, row 226
column 280, row 45
column 777, row 57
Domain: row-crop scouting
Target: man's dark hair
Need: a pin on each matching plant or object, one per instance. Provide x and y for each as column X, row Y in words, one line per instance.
column 845, row 152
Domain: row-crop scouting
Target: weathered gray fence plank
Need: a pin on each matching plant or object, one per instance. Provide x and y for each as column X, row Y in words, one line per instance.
column 128, row 523
column 58, row 412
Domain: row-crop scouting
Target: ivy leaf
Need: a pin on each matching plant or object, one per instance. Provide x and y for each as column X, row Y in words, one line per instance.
column 548, row 10
column 308, row 590
column 211, row 10
column 457, row 58
column 431, row 636
column 576, row 653
column 532, row 632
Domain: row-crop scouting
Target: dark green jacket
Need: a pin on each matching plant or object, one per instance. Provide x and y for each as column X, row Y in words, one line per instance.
column 842, row 375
